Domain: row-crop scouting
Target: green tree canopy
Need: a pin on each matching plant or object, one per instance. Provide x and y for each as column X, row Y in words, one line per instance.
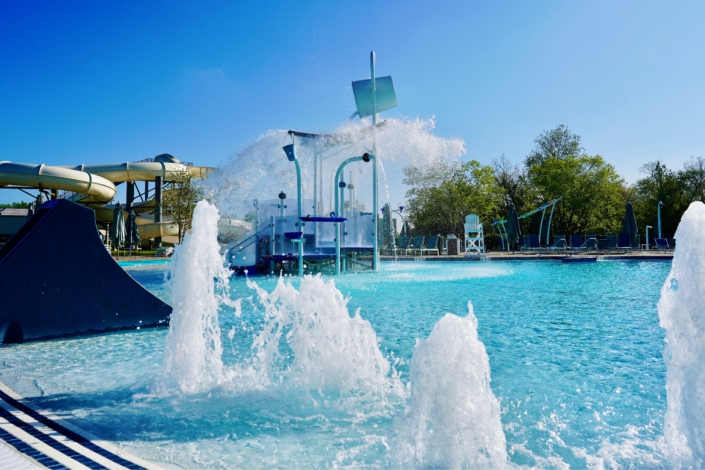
column 180, row 201
column 593, row 193
column 442, row 194
column 557, row 143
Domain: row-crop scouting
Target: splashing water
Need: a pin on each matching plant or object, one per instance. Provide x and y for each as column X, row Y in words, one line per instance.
column 453, row 419
column 682, row 313
column 260, row 170
column 329, row 350
column 193, row 350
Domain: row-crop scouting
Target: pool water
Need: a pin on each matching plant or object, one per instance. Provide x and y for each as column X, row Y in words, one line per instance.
column 575, row 352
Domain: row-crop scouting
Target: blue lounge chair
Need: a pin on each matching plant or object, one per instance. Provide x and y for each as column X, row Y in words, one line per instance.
column 603, row 244
column 624, row 242
column 431, row 245
column 559, row 244
column 532, row 243
column 672, row 243
column 590, row 242
column 402, row 243
column 611, row 242
column 662, row 244
column 576, row 241
column 415, row 246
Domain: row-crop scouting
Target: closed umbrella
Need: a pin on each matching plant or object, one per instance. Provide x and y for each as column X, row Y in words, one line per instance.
column 135, row 236
column 512, row 228
column 629, row 224
column 117, row 230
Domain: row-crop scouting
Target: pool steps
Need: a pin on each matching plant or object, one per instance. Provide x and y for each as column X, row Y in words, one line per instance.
column 46, row 441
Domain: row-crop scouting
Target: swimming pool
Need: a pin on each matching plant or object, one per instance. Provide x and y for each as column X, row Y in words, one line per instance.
column 575, row 353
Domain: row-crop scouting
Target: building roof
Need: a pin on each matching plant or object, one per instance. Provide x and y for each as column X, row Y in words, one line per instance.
column 12, row 212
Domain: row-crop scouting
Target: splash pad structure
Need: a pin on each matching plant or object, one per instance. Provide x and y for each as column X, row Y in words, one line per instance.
column 331, row 238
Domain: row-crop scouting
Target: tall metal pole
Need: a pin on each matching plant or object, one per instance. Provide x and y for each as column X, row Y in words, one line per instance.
column 548, row 229
column 658, row 225
column 339, row 209
column 375, row 205
column 158, row 207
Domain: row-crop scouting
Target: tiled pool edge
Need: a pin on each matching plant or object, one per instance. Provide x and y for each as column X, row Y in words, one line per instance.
column 50, row 441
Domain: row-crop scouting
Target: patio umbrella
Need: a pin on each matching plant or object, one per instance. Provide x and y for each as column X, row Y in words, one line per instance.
column 117, row 229
column 512, row 227
column 135, row 232
column 629, row 224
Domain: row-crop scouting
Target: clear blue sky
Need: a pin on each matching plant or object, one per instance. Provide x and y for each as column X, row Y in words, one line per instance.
column 99, row 82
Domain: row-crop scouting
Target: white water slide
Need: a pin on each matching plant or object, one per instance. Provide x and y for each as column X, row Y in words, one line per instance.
column 95, row 184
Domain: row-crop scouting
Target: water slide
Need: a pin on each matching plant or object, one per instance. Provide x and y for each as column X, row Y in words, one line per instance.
column 94, row 185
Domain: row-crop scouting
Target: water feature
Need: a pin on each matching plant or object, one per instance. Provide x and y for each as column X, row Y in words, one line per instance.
column 260, row 170
column 682, row 313
column 193, row 350
column 453, row 419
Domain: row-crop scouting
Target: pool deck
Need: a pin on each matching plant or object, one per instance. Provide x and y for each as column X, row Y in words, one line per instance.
column 519, row 256
column 32, row 439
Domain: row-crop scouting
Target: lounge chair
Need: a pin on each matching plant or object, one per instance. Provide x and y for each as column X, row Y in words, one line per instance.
column 576, row 241
column 611, row 242
column 521, row 243
column 603, row 245
column 672, row 243
column 624, row 242
column 559, row 243
column 415, row 246
column 532, row 243
column 431, row 245
column 662, row 244
column 590, row 242
column 402, row 244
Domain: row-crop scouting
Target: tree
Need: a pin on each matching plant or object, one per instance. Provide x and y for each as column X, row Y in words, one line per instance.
column 513, row 184
column 180, row 201
column 558, row 143
column 442, row 194
column 693, row 177
column 593, row 193
column 664, row 185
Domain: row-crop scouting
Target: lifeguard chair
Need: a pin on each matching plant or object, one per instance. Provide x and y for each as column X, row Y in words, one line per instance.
column 474, row 235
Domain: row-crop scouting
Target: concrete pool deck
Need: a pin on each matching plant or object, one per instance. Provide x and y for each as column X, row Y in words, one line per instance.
column 33, row 439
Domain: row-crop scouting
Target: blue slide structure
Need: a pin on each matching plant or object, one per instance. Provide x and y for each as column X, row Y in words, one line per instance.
column 57, row 279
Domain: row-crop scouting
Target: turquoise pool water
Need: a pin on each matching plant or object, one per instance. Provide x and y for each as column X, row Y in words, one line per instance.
column 575, row 353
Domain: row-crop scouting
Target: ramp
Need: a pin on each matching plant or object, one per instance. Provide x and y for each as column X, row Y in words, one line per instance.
column 57, row 279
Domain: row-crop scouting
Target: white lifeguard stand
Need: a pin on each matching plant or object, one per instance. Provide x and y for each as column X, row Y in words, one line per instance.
column 474, row 235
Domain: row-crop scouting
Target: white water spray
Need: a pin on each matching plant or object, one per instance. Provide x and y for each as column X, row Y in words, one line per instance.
column 193, row 350
column 682, row 313
column 261, row 171
column 453, row 419
column 311, row 341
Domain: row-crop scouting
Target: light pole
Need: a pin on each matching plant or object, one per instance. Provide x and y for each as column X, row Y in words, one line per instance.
column 291, row 155
column 647, row 236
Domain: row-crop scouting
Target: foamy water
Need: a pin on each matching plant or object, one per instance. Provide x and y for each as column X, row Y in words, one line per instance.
column 198, row 282
column 682, row 313
column 453, row 419
column 261, row 171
